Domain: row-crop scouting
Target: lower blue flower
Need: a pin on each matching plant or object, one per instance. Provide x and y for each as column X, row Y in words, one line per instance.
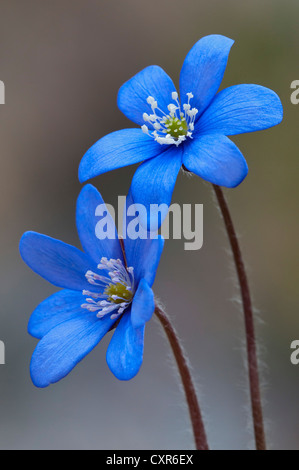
column 107, row 286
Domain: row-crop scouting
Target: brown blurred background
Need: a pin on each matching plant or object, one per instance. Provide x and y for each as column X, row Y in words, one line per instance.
column 62, row 63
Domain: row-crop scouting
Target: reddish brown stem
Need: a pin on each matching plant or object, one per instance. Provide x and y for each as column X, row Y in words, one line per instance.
column 194, row 410
column 254, row 382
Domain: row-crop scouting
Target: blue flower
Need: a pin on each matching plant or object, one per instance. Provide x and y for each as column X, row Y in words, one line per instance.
column 190, row 132
column 106, row 286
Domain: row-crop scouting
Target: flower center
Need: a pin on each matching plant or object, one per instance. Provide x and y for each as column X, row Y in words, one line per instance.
column 117, row 289
column 176, row 127
column 172, row 128
column 118, row 292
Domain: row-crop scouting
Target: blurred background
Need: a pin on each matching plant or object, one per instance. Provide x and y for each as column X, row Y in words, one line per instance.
column 62, row 63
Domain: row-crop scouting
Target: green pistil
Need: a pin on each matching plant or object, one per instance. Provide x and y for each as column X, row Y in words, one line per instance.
column 176, row 127
column 120, row 290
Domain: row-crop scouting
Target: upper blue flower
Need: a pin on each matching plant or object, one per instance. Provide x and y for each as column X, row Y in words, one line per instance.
column 191, row 131
column 105, row 286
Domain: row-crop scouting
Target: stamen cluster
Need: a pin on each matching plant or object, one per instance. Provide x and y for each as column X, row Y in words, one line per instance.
column 173, row 128
column 118, row 285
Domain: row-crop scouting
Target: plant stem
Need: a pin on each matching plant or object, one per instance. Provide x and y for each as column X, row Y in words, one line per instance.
column 254, row 384
column 194, row 410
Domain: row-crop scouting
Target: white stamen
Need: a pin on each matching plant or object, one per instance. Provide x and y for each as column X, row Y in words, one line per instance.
column 166, row 124
column 116, row 273
column 151, row 101
column 145, row 129
column 172, row 108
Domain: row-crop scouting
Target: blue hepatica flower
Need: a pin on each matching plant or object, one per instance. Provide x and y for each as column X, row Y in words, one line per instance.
column 106, row 286
column 190, row 132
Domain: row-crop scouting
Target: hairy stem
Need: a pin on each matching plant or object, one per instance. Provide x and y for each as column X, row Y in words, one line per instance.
column 194, row 410
column 254, row 382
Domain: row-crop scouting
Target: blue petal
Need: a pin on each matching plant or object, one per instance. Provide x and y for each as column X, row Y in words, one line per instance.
column 216, row 159
column 144, row 255
column 64, row 346
column 143, row 305
column 154, row 181
column 132, row 96
column 61, row 264
column 143, row 252
column 116, row 150
column 88, row 201
column 125, row 351
column 241, row 108
column 58, row 308
column 203, row 70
